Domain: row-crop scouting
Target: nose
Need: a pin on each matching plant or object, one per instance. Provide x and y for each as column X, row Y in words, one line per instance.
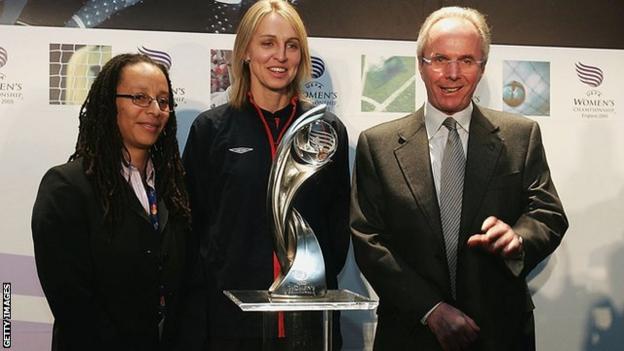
column 452, row 69
column 280, row 55
column 154, row 108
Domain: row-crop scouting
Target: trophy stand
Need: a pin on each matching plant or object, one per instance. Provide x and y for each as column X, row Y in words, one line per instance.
column 308, row 321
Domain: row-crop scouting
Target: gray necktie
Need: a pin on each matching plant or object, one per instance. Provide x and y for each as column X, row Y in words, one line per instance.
column 451, row 189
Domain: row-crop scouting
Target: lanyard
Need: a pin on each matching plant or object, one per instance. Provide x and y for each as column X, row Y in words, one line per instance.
column 281, row 329
column 153, row 217
column 153, row 206
column 273, row 143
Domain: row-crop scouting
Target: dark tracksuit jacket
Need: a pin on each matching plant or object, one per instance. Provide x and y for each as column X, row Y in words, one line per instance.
column 228, row 159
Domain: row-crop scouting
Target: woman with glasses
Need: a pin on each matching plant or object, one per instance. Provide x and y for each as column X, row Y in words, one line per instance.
column 228, row 157
column 110, row 226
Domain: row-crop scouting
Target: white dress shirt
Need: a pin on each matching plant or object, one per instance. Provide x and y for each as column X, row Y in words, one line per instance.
column 133, row 176
column 438, row 134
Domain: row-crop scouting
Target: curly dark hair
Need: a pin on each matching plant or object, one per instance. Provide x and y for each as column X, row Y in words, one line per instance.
column 102, row 150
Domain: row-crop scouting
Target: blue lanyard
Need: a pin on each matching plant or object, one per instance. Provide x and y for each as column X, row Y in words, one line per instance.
column 153, row 216
column 153, row 206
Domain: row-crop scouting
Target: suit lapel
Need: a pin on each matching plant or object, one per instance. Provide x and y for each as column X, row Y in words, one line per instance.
column 163, row 215
column 484, row 148
column 136, row 207
column 413, row 158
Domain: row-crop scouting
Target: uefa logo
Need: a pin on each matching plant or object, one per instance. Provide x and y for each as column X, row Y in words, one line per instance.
column 11, row 91
column 590, row 75
column 320, row 89
column 4, row 56
column 318, row 67
column 595, row 104
column 159, row 56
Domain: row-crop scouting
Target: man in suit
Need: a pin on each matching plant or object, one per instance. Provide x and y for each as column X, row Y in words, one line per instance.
column 453, row 205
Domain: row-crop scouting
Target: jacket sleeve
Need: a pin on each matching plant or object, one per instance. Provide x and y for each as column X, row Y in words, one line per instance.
column 196, row 159
column 194, row 309
column 61, row 239
column 397, row 284
column 543, row 223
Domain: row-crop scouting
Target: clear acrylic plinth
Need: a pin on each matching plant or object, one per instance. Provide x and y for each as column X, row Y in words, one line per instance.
column 308, row 321
column 261, row 301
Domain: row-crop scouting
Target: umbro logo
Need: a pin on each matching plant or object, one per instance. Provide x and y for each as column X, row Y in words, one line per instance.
column 241, row 149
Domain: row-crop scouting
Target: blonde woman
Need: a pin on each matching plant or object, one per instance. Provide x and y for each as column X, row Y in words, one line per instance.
column 228, row 157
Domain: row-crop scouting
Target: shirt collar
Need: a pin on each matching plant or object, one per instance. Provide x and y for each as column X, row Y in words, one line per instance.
column 435, row 117
column 129, row 171
column 282, row 114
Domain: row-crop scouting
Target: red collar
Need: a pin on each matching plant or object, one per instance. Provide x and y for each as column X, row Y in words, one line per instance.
column 273, row 143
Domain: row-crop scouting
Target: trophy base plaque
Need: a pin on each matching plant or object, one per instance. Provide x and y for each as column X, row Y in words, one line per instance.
column 308, row 321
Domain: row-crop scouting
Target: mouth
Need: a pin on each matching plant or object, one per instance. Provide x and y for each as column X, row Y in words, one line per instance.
column 277, row 69
column 150, row 127
column 450, row 90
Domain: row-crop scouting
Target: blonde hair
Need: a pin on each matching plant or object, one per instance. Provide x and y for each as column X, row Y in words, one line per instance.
column 471, row 15
column 241, row 75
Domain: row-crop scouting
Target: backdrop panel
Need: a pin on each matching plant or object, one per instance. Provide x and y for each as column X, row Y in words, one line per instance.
column 572, row 93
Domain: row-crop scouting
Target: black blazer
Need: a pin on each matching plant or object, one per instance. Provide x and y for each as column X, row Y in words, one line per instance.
column 397, row 234
column 103, row 286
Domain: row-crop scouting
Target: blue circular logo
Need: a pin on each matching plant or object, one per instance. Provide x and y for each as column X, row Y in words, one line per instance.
column 589, row 75
column 159, row 56
column 318, row 67
column 4, row 56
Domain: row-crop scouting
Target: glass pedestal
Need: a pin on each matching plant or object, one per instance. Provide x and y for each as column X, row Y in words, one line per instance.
column 307, row 321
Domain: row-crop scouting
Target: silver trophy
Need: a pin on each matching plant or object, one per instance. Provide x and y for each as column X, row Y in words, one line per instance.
column 306, row 147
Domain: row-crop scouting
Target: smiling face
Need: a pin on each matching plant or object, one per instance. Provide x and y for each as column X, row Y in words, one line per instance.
column 450, row 90
column 140, row 126
column 273, row 55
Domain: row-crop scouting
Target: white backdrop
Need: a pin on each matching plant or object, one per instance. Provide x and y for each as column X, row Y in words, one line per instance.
column 579, row 291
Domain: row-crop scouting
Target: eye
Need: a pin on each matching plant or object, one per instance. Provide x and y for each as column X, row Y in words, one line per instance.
column 162, row 102
column 439, row 59
column 293, row 45
column 468, row 61
column 267, row 44
column 142, row 99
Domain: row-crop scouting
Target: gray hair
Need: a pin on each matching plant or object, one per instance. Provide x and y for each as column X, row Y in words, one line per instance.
column 471, row 15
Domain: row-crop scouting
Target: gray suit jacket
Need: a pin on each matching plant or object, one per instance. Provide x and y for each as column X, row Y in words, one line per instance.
column 397, row 235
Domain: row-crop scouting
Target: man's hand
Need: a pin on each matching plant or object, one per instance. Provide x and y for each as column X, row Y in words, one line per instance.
column 497, row 238
column 453, row 329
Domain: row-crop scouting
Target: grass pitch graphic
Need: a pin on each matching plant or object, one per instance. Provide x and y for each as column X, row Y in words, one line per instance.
column 388, row 83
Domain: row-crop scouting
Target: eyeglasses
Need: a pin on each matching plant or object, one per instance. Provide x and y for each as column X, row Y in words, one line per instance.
column 466, row 64
column 143, row 100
